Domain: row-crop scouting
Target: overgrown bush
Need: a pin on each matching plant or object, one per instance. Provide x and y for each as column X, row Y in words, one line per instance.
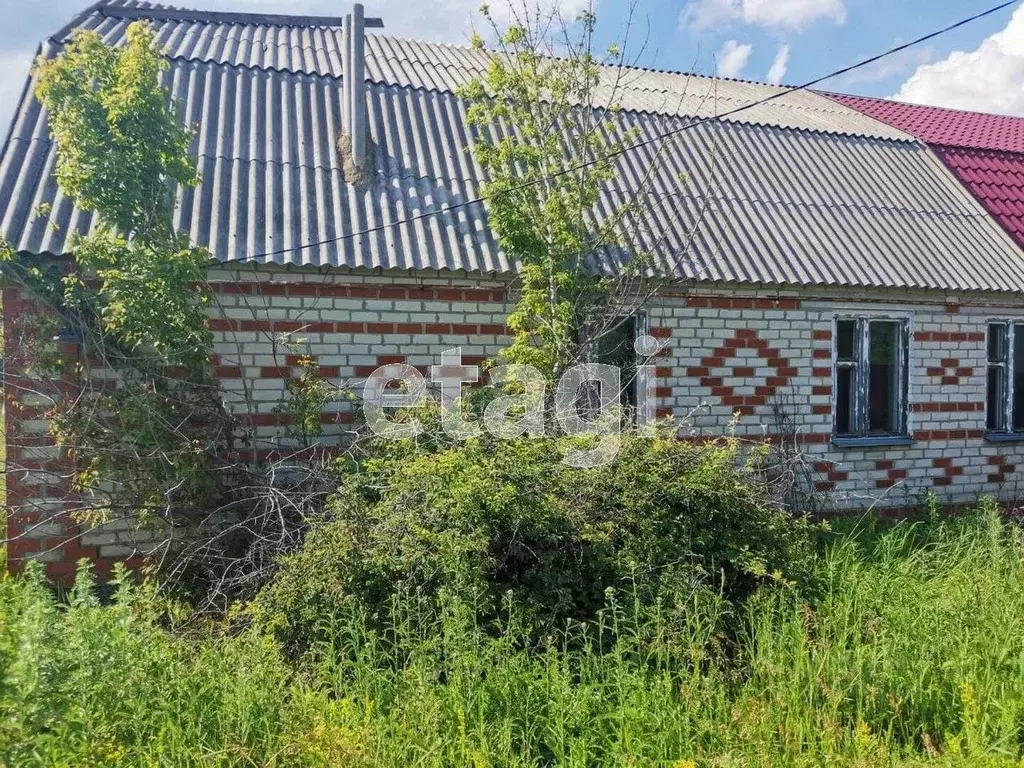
column 506, row 520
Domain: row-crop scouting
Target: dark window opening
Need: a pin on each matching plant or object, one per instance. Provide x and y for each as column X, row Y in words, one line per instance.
column 870, row 377
column 1017, row 409
column 616, row 347
column 885, row 380
column 844, row 401
column 847, row 356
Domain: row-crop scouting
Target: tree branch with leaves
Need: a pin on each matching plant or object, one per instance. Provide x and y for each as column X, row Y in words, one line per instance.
column 144, row 416
column 548, row 134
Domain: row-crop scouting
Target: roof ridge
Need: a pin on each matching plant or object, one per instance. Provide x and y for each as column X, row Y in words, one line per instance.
column 628, row 67
column 144, row 10
column 141, row 9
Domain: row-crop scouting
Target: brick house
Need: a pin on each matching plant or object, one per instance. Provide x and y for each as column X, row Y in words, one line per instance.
column 832, row 272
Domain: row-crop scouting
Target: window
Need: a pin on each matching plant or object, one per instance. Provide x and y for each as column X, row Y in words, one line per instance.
column 616, row 347
column 870, row 383
column 1005, row 389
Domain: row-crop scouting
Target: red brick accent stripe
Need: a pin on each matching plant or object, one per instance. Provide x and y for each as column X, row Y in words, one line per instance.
column 941, row 336
column 319, row 326
column 716, row 302
column 925, row 435
column 947, row 407
column 359, row 291
column 282, row 419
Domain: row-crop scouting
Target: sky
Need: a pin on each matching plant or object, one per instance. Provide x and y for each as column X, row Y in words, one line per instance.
column 979, row 67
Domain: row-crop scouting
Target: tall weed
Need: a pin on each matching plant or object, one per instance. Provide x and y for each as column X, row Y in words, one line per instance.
column 906, row 648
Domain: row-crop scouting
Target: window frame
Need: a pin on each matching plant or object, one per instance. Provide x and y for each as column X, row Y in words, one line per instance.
column 860, row 432
column 1011, row 325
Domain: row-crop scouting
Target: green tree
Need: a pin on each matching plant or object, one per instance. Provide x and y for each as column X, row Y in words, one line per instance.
column 144, row 419
column 547, row 132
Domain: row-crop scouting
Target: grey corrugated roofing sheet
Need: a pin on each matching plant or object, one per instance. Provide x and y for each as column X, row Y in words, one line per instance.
column 760, row 200
column 316, row 50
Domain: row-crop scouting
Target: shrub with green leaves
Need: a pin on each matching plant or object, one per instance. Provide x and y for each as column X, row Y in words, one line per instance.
column 494, row 518
column 135, row 405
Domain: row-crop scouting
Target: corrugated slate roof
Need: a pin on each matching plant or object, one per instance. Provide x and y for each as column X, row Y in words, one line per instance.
column 985, row 152
column 746, row 201
column 316, row 50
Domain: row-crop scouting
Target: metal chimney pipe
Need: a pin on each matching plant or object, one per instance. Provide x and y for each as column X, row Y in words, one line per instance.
column 357, row 87
column 346, row 70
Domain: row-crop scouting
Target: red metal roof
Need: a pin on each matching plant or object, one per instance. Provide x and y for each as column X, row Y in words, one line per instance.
column 995, row 178
column 986, row 152
column 937, row 125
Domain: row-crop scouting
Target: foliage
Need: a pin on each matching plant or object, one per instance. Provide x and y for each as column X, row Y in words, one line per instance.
column 135, row 403
column 907, row 653
column 507, row 520
column 916, row 638
column 305, row 396
column 86, row 684
column 119, row 145
column 544, row 179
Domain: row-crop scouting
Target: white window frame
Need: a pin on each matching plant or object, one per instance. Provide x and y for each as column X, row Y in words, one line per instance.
column 1007, row 366
column 861, row 394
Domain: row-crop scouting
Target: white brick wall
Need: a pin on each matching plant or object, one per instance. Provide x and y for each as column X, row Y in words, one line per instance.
column 727, row 350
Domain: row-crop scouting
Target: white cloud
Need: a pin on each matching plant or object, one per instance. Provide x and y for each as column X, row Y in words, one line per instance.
column 987, row 79
column 794, row 14
column 705, row 14
column 732, row 58
column 780, row 64
column 775, row 14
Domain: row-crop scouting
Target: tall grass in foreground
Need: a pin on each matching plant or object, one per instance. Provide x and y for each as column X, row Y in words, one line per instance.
column 908, row 649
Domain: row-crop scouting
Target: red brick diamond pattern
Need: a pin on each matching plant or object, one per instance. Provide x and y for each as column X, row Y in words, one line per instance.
column 950, row 372
column 725, row 365
column 1001, row 468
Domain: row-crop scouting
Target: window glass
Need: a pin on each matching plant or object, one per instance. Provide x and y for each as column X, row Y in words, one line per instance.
column 997, row 343
column 996, row 386
column 616, row 348
column 1017, row 410
column 844, row 400
column 996, row 399
column 846, row 335
column 884, row 379
column 870, row 379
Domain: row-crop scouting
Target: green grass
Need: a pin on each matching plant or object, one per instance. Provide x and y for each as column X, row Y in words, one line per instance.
column 907, row 650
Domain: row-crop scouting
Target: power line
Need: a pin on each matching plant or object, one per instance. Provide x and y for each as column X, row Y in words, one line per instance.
column 639, row 144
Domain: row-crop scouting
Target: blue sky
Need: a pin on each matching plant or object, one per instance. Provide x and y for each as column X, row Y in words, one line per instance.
column 978, row 67
column 842, row 33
